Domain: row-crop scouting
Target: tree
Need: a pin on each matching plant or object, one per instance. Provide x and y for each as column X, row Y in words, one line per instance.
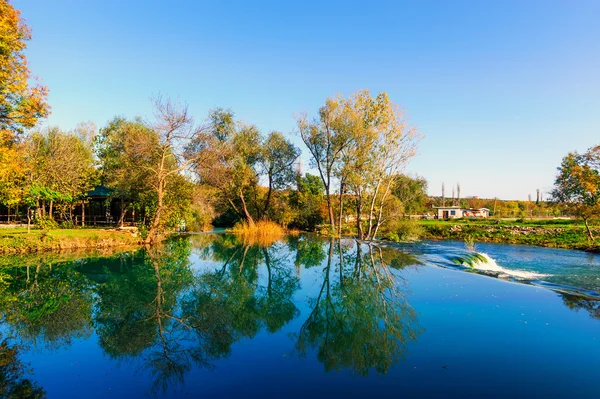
column 578, row 185
column 307, row 199
column 383, row 142
column 412, row 193
column 174, row 128
column 278, row 157
column 326, row 143
column 225, row 156
column 14, row 170
column 123, row 148
column 62, row 168
column 21, row 104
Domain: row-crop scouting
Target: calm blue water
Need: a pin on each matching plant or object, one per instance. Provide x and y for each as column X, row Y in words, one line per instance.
column 210, row 316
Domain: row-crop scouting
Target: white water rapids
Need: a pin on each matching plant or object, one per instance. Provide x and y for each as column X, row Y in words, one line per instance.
column 490, row 265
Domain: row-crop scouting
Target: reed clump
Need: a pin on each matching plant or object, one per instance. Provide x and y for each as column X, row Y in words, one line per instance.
column 263, row 232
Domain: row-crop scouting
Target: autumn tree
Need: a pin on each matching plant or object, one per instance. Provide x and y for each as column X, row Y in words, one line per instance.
column 326, row 142
column 378, row 144
column 577, row 185
column 21, row 104
column 13, row 171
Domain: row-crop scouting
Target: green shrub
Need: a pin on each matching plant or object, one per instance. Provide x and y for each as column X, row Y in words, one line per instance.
column 45, row 223
column 67, row 224
column 143, row 231
column 391, row 236
column 409, row 230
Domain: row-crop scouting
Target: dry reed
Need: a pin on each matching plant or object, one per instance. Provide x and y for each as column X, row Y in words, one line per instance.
column 263, row 232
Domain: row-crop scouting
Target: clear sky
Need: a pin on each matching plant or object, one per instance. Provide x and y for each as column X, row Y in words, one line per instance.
column 501, row 90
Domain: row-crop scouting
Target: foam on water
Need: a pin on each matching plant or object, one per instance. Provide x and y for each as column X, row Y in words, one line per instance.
column 490, row 265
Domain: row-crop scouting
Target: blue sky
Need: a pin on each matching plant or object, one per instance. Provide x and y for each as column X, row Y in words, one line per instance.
column 501, row 90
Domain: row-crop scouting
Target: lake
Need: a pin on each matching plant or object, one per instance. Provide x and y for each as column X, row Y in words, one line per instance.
column 209, row 315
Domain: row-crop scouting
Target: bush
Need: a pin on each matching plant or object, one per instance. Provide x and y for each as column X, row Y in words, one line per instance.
column 391, row 236
column 45, row 223
column 67, row 224
column 197, row 220
column 409, row 230
column 143, row 231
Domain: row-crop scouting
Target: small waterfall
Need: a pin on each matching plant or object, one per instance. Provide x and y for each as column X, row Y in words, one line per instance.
column 483, row 262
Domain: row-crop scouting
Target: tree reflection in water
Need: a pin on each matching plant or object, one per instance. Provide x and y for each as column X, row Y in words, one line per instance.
column 13, row 374
column 360, row 319
column 154, row 310
column 46, row 305
column 577, row 302
column 170, row 319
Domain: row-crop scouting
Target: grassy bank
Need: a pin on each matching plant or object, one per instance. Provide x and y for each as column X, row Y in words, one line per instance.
column 551, row 233
column 17, row 240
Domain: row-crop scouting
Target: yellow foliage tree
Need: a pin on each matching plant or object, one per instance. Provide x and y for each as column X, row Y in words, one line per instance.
column 21, row 104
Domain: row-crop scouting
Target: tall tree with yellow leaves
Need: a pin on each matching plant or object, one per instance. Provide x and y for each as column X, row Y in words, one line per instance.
column 21, row 104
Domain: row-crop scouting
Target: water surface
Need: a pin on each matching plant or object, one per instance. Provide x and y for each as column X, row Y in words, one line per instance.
column 210, row 316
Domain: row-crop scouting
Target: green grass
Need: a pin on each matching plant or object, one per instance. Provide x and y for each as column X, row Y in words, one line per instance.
column 549, row 233
column 17, row 240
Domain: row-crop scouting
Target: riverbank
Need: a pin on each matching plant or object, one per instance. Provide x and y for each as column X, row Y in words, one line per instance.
column 567, row 234
column 17, row 240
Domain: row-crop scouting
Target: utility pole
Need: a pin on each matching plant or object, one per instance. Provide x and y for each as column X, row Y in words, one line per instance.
column 495, row 200
column 443, row 194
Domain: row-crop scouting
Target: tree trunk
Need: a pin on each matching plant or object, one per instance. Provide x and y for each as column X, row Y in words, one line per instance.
column 247, row 214
column 372, row 209
column 359, row 229
column 122, row 216
column 341, row 208
column 50, row 211
column 589, row 231
column 380, row 213
column 330, row 211
column 153, row 231
column 82, row 214
column 28, row 219
column 268, row 200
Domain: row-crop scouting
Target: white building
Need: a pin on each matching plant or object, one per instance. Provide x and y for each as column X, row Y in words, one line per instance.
column 455, row 212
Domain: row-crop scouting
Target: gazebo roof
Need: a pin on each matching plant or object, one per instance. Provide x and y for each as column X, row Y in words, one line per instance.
column 100, row 191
